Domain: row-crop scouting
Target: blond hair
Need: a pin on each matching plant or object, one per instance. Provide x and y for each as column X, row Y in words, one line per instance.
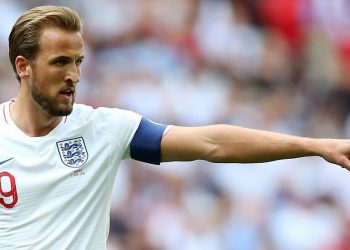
column 25, row 34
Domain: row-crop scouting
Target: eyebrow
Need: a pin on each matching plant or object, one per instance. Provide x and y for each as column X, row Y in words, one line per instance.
column 66, row 58
column 80, row 57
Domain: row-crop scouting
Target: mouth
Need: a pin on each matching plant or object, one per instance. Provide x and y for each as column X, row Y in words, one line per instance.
column 67, row 93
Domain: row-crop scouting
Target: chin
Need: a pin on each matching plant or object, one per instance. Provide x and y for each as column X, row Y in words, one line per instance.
column 60, row 111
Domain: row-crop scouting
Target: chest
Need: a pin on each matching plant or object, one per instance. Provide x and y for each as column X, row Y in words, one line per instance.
column 55, row 170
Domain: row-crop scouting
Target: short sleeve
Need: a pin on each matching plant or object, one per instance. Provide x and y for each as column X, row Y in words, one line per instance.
column 120, row 125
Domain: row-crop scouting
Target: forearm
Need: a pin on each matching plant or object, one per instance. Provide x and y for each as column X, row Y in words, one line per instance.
column 226, row 143
column 236, row 144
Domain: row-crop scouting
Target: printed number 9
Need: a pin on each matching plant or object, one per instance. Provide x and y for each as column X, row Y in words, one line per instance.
column 7, row 194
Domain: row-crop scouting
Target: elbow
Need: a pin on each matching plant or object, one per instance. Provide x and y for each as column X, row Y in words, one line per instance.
column 217, row 154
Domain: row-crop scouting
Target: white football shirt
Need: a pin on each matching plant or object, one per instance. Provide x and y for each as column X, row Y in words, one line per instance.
column 55, row 190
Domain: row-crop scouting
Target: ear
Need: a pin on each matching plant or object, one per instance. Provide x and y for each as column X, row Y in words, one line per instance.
column 22, row 67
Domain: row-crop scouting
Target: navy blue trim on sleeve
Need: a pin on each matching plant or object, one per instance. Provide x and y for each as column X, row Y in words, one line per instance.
column 145, row 145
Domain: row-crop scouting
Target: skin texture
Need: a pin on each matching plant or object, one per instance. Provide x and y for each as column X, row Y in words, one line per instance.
column 48, row 83
column 226, row 143
column 47, row 94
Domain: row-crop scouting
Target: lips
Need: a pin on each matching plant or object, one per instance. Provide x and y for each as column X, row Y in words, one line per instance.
column 68, row 92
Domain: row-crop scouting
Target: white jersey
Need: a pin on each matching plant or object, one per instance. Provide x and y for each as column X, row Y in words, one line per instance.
column 55, row 190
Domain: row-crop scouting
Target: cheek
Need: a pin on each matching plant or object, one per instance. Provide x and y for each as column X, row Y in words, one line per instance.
column 47, row 82
column 50, row 76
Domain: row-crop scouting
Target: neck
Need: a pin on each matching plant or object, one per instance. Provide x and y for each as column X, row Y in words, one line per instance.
column 32, row 119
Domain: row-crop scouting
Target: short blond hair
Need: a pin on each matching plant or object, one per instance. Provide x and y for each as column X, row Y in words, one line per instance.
column 26, row 32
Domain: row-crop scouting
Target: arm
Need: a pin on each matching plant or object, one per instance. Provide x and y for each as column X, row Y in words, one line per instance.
column 225, row 143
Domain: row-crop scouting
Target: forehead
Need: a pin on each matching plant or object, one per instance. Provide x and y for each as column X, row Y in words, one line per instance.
column 54, row 41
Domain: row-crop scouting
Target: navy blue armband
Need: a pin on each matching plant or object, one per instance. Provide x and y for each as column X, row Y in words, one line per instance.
column 145, row 145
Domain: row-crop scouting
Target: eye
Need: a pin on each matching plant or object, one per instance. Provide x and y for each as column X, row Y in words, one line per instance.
column 61, row 62
column 79, row 61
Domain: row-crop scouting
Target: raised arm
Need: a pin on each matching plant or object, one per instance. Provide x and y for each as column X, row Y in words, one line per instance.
column 226, row 143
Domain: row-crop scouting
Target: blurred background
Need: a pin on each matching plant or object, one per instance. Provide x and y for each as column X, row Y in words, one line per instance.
column 278, row 65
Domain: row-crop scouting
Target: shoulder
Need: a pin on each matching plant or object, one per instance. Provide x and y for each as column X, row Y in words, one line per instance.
column 83, row 113
column 2, row 105
column 118, row 125
column 3, row 111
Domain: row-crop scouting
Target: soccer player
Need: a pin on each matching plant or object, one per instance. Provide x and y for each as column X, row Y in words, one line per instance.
column 58, row 159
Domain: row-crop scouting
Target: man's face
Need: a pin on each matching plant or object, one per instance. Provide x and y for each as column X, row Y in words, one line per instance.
column 56, row 71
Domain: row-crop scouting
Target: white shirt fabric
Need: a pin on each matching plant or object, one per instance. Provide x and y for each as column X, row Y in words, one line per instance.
column 63, row 181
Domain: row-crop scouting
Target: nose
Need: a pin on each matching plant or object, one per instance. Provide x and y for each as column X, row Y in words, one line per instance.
column 73, row 75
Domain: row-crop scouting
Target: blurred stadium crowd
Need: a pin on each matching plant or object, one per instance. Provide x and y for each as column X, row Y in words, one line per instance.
column 279, row 65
